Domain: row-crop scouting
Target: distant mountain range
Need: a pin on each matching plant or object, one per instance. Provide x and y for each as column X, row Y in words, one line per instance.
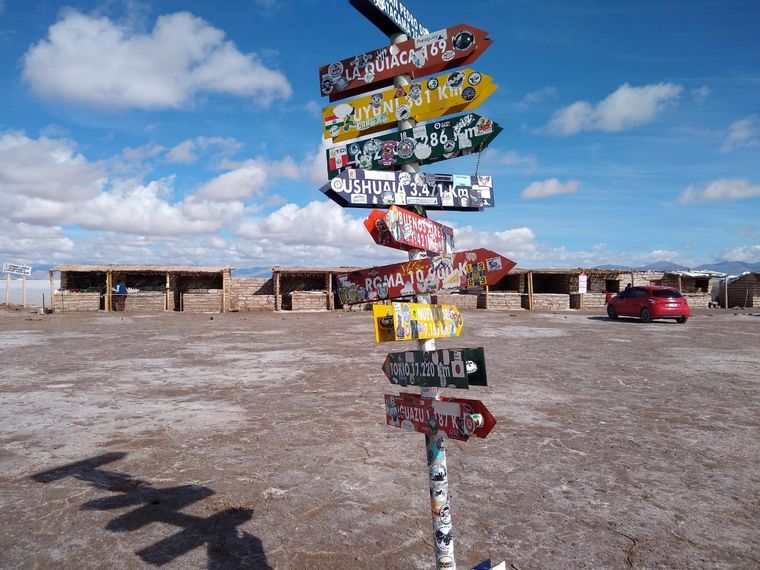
column 729, row 267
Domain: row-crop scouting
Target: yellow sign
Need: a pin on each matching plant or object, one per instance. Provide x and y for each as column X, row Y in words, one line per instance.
column 444, row 94
column 415, row 321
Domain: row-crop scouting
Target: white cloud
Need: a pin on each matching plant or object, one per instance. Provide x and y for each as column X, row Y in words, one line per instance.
column 47, row 169
column 248, row 179
column 625, row 108
column 701, row 94
column 187, row 151
column 29, row 242
column 743, row 133
column 535, row 97
column 521, row 245
column 93, row 61
column 550, row 187
column 722, row 190
column 747, row 254
column 662, row 255
column 527, row 162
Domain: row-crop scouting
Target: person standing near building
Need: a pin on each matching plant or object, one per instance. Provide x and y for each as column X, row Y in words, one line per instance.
column 121, row 294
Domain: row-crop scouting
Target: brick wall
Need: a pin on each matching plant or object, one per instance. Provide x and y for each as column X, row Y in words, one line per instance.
column 210, row 302
column 500, row 301
column 308, row 300
column 71, row 302
column 149, row 301
column 743, row 292
column 251, row 294
column 548, row 302
column 590, row 300
column 461, row 301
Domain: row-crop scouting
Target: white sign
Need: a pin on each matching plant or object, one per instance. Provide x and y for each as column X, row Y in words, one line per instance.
column 582, row 283
column 17, row 269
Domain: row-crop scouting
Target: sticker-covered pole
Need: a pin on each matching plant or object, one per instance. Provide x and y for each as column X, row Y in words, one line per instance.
column 434, row 444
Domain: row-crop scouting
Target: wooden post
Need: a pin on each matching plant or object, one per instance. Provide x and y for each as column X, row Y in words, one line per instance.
column 330, row 300
column 166, row 293
column 487, row 291
column 52, row 298
column 276, row 289
column 109, row 297
column 726, row 292
column 633, row 281
column 530, row 290
column 7, row 289
column 680, row 285
column 23, row 291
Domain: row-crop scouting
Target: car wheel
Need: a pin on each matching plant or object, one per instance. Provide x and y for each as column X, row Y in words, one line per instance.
column 612, row 312
column 682, row 319
column 646, row 315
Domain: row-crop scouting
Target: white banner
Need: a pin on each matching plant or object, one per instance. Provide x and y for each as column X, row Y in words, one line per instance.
column 17, row 269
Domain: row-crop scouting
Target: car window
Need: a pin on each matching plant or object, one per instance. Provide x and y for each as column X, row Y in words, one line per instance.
column 637, row 292
column 666, row 293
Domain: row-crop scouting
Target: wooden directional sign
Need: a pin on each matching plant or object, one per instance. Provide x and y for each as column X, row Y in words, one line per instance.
column 452, row 47
column 458, row 418
column 382, row 188
column 463, row 270
column 443, row 368
column 431, row 98
column 424, row 144
column 401, row 229
column 415, row 321
column 391, row 16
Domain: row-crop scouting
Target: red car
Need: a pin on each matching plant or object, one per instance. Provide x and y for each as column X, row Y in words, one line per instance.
column 649, row 303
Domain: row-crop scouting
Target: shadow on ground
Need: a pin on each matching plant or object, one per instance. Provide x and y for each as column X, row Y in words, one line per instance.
column 226, row 546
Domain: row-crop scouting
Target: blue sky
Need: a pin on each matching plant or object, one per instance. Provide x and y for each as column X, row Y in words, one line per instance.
column 190, row 132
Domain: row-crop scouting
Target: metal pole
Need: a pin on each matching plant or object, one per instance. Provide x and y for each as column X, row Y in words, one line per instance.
column 23, row 291
column 7, row 289
column 434, row 444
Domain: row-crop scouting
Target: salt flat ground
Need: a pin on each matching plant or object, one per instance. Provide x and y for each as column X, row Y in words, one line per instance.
column 259, row 441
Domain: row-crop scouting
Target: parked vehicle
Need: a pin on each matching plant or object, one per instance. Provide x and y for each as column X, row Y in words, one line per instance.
column 649, row 303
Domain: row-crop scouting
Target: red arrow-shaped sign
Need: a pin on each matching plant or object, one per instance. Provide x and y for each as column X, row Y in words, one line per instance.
column 453, row 47
column 458, row 418
column 402, row 229
column 463, row 270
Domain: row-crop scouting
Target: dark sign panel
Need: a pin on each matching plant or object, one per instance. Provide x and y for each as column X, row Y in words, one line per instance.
column 423, row 144
column 463, row 270
column 390, row 16
column 382, row 188
column 405, row 230
column 445, row 49
column 456, row 417
column 443, row 368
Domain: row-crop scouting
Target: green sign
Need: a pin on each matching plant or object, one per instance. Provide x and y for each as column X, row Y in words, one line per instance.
column 447, row 368
column 423, row 144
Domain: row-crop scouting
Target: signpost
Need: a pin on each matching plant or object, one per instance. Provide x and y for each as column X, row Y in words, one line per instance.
column 415, row 321
column 432, row 53
column 423, row 100
column 405, row 230
column 447, row 368
column 383, row 172
column 463, row 270
column 16, row 269
column 382, row 188
column 456, row 417
column 423, row 144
